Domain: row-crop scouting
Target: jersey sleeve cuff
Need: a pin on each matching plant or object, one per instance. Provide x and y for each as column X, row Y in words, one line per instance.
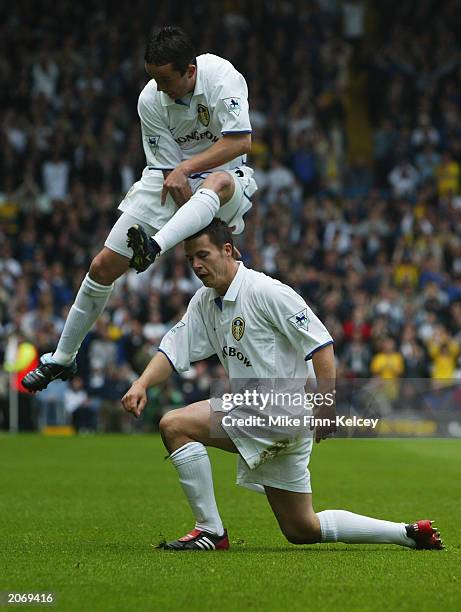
column 309, row 355
column 171, row 363
column 237, row 132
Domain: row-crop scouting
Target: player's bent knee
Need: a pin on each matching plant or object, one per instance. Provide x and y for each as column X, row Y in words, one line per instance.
column 306, row 534
column 171, row 425
column 222, row 183
column 106, row 267
column 98, row 271
column 168, row 422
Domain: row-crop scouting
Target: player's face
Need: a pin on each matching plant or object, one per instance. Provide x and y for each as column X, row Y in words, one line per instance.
column 171, row 81
column 210, row 263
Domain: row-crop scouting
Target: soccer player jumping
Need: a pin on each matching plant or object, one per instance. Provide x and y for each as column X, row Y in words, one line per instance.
column 260, row 329
column 196, row 133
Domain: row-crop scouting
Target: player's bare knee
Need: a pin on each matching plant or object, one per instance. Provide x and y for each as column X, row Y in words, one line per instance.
column 301, row 534
column 99, row 270
column 222, row 184
column 171, row 426
column 105, row 271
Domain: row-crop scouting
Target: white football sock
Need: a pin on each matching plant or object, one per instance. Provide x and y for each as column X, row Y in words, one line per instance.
column 194, row 215
column 90, row 301
column 194, row 469
column 343, row 526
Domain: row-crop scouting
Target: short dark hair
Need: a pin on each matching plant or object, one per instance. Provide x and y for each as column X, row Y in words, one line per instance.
column 170, row 45
column 218, row 232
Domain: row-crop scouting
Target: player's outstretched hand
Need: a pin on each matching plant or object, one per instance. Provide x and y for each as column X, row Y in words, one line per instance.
column 328, row 416
column 135, row 399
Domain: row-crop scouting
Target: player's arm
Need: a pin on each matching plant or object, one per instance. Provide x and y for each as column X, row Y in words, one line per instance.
column 161, row 150
column 287, row 312
column 225, row 150
column 184, row 344
column 323, row 361
column 157, row 371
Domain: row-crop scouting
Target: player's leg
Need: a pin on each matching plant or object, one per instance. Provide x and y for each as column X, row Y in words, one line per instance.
column 295, row 515
column 108, row 265
column 198, row 212
column 186, row 432
column 90, row 301
column 344, row 526
column 220, row 193
column 194, row 423
column 301, row 525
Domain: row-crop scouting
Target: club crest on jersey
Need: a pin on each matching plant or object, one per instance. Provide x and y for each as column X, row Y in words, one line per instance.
column 153, row 143
column 238, row 328
column 233, row 105
column 300, row 320
column 203, row 115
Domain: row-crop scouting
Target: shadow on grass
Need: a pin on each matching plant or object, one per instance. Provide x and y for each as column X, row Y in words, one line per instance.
column 91, row 547
column 311, row 549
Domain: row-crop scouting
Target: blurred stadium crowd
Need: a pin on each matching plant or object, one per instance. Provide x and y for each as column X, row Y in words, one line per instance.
column 372, row 242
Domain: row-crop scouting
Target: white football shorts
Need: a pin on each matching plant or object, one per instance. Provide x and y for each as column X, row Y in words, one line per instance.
column 142, row 205
column 269, row 458
column 287, row 470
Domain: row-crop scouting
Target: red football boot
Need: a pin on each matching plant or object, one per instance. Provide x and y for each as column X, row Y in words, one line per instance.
column 199, row 540
column 425, row 536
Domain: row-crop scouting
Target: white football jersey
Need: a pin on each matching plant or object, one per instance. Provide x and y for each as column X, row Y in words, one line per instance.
column 261, row 328
column 174, row 130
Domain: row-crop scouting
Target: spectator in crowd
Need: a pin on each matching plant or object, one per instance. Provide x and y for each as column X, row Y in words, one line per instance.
column 51, row 405
column 78, row 407
column 404, row 179
column 357, row 356
column 388, row 365
column 443, row 352
column 448, row 175
column 111, row 418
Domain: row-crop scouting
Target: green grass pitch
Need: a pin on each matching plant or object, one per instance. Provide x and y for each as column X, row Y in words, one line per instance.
column 81, row 517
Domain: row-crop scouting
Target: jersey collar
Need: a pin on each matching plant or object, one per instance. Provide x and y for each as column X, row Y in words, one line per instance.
column 199, row 85
column 234, row 287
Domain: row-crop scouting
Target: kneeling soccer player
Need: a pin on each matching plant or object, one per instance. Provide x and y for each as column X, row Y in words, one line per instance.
column 260, row 329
